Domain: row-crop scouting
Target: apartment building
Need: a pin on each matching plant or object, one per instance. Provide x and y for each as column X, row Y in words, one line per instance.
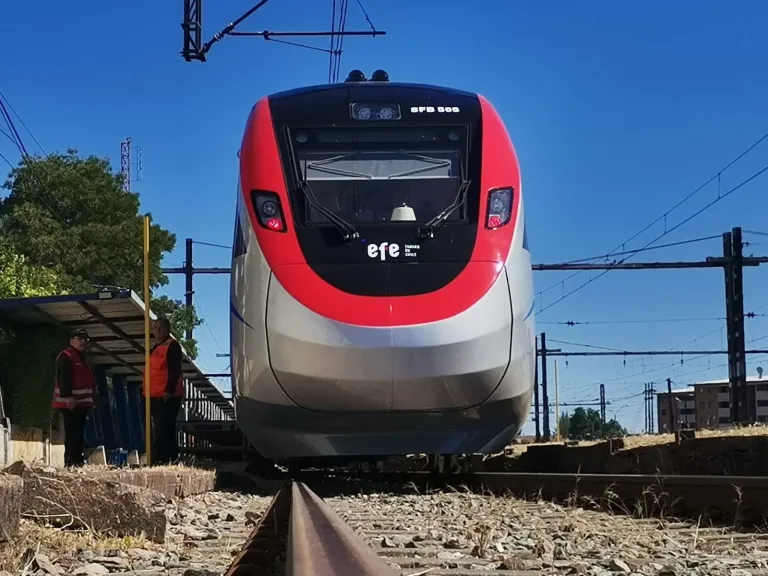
column 713, row 402
column 708, row 404
column 680, row 406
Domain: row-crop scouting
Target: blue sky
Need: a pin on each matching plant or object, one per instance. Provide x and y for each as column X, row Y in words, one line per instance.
column 617, row 111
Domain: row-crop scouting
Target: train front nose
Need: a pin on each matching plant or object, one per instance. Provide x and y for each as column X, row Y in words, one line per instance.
column 330, row 366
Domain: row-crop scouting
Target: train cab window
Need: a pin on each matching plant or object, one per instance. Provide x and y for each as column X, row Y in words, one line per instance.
column 383, row 174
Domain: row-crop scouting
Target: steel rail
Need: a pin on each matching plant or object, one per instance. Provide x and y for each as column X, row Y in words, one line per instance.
column 299, row 535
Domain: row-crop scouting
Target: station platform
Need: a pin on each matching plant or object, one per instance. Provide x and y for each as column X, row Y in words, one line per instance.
column 115, row 323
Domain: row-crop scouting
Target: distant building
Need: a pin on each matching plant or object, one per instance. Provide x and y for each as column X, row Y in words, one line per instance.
column 681, row 405
column 713, row 402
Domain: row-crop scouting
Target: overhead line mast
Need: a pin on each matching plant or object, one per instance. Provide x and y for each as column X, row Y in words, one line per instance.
column 195, row 49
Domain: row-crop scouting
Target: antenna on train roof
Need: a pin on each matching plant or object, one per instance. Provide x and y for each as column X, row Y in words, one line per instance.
column 355, row 76
column 380, row 76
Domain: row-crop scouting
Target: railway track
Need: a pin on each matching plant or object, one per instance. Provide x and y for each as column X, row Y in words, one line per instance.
column 462, row 532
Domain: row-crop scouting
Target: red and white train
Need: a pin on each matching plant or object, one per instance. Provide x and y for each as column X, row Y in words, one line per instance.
column 381, row 291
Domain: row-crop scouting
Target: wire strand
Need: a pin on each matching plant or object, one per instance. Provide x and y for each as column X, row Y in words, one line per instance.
column 678, row 225
column 665, row 214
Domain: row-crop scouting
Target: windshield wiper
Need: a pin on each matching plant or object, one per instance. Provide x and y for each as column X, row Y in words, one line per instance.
column 347, row 230
column 429, row 227
column 320, row 166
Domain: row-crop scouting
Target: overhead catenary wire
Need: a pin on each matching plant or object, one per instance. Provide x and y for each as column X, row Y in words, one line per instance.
column 637, row 251
column 675, row 227
column 663, row 217
column 34, row 170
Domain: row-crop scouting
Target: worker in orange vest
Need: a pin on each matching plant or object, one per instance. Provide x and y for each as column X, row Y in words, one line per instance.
column 166, row 392
column 74, row 388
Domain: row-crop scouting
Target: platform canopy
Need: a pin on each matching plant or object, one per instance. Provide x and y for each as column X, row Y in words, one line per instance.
column 115, row 323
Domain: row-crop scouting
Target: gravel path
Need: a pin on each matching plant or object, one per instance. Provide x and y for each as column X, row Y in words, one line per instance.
column 471, row 534
column 457, row 534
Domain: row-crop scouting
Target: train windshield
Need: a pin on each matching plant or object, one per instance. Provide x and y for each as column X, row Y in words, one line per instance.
column 373, row 175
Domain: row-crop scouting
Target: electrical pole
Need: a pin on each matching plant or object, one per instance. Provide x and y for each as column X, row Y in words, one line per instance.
column 671, row 407
column 546, row 432
column 125, row 164
column 602, row 403
column 557, row 407
column 189, row 271
column 745, row 410
column 544, row 397
column 188, row 291
column 537, row 411
column 652, row 406
column 734, row 312
column 647, row 424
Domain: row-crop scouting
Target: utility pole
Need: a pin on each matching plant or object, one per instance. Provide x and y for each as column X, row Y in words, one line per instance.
column 544, row 396
column 672, row 426
column 647, row 424
column 602, row 403
column 652, row 406
column 537, row 411
column 557, row 407
column 189, row 271
column 126, row 163
column 734, row 311
column 546, row 432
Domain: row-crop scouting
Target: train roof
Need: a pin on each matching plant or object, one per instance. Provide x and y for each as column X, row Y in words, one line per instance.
column 359, row 87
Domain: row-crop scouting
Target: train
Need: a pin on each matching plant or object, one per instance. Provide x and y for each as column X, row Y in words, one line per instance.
column 382, row 296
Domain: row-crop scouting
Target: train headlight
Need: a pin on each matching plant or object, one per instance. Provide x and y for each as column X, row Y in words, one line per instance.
column 499, row 208
column 268, row 210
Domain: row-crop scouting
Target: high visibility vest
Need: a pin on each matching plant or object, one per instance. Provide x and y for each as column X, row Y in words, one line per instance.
column 158, row 369
column 83, row 383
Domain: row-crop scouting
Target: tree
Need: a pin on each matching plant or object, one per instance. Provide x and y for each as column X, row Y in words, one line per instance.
column 563, row 425
column 70, row 215
column 588, row 425
column 19, row 278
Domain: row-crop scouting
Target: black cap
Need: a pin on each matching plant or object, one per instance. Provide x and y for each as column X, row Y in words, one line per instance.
column 79, row 333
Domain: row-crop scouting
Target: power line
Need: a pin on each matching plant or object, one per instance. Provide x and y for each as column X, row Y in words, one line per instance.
column 192, row 25
column 675, row 227
column 21, row 121
column 661, row 246
column 6, row 161
column 663, row 217
column 638, row 321
column 213, row 245
column 34, row 168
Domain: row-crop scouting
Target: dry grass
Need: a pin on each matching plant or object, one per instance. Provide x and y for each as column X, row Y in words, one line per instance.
column 183, row 467
column 58, row 544
column 640, row 440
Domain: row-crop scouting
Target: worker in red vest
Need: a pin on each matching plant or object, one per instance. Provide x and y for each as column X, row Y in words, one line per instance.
column 166, row 392
column 74, row 389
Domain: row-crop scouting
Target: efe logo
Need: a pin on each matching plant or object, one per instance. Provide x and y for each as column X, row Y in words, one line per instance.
column 380, row 250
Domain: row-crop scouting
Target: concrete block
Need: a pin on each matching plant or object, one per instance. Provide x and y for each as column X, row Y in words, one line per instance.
column 10, row 506
column 77, row 499
column 97, row 456
column 133, row 458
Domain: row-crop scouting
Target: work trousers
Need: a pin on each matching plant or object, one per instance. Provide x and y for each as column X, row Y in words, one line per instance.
column 164, row 446
column 74, row 436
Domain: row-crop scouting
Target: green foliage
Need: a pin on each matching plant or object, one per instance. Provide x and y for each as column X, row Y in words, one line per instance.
column 587, row 425
column 71, row 214
column 67, row 226
column 19, row 278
